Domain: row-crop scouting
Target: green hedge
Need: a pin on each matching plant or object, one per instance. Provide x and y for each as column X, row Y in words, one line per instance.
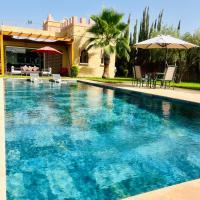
column 74, row 71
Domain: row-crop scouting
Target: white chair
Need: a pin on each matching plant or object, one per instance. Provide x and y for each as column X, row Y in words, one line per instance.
column 34, row 77
column 47, row 73
column 56, row 78
column 15, row 72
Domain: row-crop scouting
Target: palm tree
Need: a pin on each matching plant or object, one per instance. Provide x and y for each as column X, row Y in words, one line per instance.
column 108, row 31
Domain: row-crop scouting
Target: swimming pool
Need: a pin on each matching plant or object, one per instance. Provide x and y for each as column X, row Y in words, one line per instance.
column 85, row 142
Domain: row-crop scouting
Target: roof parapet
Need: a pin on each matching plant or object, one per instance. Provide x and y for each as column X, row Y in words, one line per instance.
column 57, row 26
column 76, row 21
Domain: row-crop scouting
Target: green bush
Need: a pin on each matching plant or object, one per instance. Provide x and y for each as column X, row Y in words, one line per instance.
column 125, row 72
column 74, row 71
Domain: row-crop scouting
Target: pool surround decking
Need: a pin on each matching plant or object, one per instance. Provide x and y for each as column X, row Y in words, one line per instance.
column 185, row 191
column 2, row 144
column 181, row 95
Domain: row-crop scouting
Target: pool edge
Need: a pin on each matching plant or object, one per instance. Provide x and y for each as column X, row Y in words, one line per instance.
column 189, row 190
column 132, row 91
column 2, row 143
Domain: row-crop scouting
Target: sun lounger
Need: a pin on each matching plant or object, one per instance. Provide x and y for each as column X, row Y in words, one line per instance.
column 15, row 72
column 34, row 77
column 47, row 73
column 56, row 78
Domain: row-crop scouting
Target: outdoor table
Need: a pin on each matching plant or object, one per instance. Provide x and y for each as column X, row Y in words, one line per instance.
column 152, row 77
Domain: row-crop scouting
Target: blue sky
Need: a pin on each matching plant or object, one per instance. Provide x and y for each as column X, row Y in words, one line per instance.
column 18, row 12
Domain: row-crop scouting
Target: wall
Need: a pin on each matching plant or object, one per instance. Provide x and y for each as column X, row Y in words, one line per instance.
column 77, row 29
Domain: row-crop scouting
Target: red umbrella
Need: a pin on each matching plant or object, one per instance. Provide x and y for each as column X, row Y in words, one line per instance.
column 48, row 50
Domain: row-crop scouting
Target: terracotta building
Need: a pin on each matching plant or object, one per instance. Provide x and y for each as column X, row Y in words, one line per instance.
column 68, row 36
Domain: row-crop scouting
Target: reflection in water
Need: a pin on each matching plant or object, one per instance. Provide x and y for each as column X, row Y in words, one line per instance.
column 166, row 108
column 85, row 142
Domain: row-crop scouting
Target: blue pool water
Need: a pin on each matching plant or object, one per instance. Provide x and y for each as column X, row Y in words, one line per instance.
column 84, row 143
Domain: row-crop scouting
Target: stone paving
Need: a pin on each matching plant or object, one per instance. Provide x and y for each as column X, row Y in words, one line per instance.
column 184, row 191
column 2, row 145
column 192, row 96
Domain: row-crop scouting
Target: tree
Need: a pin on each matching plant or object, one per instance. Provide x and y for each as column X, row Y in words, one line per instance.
column 122, row 45
column 189, row 58
column 179, row 26
column 144, row 26
column 133, row 51
column 159, row 25
column 108, row 33
column 135, row 32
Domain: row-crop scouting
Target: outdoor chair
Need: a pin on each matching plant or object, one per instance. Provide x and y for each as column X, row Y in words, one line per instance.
column 56, row 78
column 167, row 77
column 137, row 76
column 34, row 77
column 15, row 72
column 47, row 73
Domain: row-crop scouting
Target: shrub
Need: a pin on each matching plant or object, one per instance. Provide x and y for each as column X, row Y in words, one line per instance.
column 74, row 71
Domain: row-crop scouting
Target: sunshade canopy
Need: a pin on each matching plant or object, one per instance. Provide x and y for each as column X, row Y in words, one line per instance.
column 48, row 50
column 164, row 41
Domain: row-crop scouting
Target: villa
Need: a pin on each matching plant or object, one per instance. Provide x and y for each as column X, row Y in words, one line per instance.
column 132, row 137
column 69, row 36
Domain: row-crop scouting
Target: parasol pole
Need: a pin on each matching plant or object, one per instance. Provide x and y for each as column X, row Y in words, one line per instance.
column 166, row 53
column 44, row 60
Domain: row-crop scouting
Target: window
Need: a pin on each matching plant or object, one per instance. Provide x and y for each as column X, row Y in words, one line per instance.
column 84, row 57
column 102, row 59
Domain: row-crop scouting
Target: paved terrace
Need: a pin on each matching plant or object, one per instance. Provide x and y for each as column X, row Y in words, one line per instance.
column 192, row 96
column 2, row 145
column 185, row 191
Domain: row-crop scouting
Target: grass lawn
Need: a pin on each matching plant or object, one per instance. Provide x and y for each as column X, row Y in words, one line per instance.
column 111, row 80
column 188, row 85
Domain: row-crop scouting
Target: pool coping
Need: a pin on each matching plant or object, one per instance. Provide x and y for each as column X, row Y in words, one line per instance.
column 2, row 143
column 132, row 90
column 189, row 190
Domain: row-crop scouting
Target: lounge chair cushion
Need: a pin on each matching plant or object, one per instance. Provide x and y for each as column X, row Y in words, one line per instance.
column 30, row 68
column 25, row 68
column 35, row 68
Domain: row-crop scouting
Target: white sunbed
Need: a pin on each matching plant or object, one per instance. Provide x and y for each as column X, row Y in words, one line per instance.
column 15, row 72
column 34, row 77
column 47, row 73
column 56, row 78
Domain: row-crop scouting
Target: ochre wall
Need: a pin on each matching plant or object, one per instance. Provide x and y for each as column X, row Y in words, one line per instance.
column 77, row 29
